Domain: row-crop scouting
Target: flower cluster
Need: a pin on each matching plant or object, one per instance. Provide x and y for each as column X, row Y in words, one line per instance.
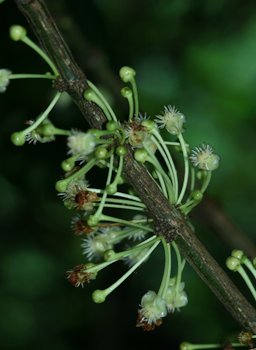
column 155, row 306
column 244, row 338
column 235, row 263
column 108, row 238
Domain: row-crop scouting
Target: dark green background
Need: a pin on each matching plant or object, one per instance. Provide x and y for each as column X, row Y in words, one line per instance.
column 196, row 55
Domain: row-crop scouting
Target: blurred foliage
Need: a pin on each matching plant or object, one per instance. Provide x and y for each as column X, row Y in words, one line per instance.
column 196, row 55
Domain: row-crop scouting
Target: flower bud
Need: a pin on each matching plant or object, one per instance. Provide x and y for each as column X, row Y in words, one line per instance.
column 121, row 151
column 89, row 95
column 18, row 138
column 126, row 92
column 92, row 221
column 111, row 188
column 101, row 153
column 149, row 125
column 61, row 185
column 111, row 125
column 68, row 164
column 17, row 32
column 141, row 155
column 99, row 296
column 197, row 195
column 127, row 74
column 236, row 253
column 233, row 263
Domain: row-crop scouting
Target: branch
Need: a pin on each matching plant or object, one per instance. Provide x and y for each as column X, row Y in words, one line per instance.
column 169, row 222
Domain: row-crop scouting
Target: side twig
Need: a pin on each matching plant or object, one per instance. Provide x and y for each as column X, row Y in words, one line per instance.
column 212, row 215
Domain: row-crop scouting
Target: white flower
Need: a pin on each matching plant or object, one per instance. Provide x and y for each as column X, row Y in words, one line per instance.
column 4, row 79
column 172, row 120
column 78, row 196
column 73, row 188
column 153, row 309
column 37, row 135
column 96, row 244
column 175, row 297
column 138, row 234
column 136, row 134
column 79, row 275
column 81, row 144
column 135, row 256
column 79, row 225
column 204, row 158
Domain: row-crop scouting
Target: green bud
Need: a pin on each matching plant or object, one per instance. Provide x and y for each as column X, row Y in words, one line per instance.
column 233, row 263
column 126, row 92
column 127, row 74
column 17, row 32
column 121, row 151
column 236, row 253
column 61, row 185
column 197, row 195
column 68, row 164
column 18, row 138
column 111, row 125
column 98, row 296
column 111, row 189
column 89, row 95
column 101, row 153
column 92, row 220
column 141, row 155
column 149, row 125
column 48, row 129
